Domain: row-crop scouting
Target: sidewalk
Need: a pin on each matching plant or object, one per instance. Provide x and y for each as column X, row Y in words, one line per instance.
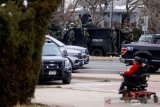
column 108, row 77
column 58, row 97
column 79, row 97
column 68, row 97
column 100, row 58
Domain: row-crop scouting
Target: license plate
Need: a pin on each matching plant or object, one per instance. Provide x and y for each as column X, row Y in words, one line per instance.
column 52, row 72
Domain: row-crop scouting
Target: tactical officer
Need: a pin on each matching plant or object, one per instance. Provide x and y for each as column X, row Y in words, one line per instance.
column 113, row 38
column 130, row 36
column 86, row 38
column 126, row 32
column 71, row 38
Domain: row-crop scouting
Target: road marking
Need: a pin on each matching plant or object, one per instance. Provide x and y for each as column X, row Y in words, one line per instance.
column 108, row 101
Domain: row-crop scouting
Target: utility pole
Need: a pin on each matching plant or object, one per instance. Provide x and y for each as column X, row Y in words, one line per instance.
column 111, row 14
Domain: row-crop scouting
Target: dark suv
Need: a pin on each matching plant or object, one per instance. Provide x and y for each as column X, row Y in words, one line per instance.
column 55, row 66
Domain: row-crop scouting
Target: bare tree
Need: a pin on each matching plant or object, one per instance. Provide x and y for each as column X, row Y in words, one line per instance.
column 152, row 10
column 131, row 5
column 61, row 18
column 94, row 7
column 64, row 14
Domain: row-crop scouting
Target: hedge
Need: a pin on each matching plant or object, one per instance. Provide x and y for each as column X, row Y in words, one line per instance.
column 22, row 31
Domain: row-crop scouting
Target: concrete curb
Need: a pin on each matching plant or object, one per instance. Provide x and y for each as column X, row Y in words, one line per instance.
column 99, row 58
column 108, row 77
column 99, row 77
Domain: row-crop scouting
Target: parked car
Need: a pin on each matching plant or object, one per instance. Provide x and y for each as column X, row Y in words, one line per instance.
column 84, row 51
column 75, row 58
column 55, row 66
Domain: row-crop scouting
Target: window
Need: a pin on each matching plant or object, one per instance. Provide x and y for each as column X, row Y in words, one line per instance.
column 51, row 49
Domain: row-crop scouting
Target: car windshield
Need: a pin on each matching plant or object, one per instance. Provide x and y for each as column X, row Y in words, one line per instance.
column 51, row 50
column 145, row 38
column 57, row 42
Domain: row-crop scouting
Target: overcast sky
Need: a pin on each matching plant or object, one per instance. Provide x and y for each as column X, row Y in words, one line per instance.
column 68, row 1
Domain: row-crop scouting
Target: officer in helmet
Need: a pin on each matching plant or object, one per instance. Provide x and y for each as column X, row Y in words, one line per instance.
column 71, row 34
column 86, row 38
column 113, row 38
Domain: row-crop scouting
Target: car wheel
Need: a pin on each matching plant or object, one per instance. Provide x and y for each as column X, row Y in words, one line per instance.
column 71, row 64
column 67, row 79
column 155, row 99
column 143, row 100
column 154, row 69
column 97, row 52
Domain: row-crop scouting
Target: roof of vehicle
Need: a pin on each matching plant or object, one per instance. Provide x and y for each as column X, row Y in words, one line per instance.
column 57, row 42
column 60, row 44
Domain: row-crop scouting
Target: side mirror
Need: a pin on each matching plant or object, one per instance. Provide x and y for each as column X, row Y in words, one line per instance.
column 65, row 53
column 48, row 41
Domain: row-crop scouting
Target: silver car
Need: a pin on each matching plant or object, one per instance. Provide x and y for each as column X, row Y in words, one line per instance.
column 75, row 58
column 83, row 50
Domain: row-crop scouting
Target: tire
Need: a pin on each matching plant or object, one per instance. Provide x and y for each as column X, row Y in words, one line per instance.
column 67, row 79
column 154, row 69
column 143, row 100
column 155, row 99
column 97, row 52
column 127, row 97
column 71, row 64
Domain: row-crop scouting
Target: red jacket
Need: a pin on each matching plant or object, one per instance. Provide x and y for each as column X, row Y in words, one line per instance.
column 133, row 68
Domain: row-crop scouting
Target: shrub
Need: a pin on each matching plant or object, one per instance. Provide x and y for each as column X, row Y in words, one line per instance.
column 22, row 31
column 136, row 33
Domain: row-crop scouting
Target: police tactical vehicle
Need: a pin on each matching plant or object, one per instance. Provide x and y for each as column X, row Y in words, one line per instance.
column 100, row 40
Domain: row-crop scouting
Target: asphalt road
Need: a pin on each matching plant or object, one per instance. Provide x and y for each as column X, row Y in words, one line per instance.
column 103, row 67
